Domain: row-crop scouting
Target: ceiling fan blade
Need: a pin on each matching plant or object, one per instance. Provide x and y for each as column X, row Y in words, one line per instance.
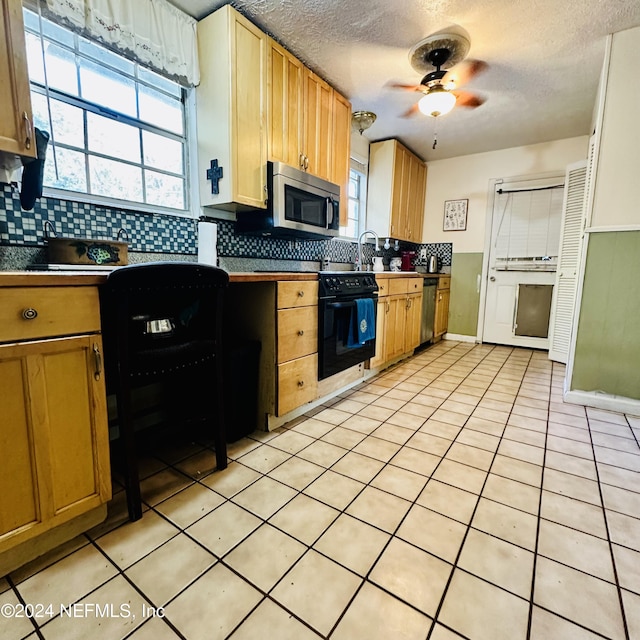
column 464, row 72
column 467, row 99
column 411, row 111
column 406, row 87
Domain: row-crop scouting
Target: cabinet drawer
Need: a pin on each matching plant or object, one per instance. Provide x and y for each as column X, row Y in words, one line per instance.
column 297, row 383
column 398, row 286
column 444, row 283
column 297, row 294
column 414, row 285
column 42, row 312
column 383, row 287
column 297, row 333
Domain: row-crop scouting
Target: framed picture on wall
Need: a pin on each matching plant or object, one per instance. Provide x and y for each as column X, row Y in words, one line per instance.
column 455, row 215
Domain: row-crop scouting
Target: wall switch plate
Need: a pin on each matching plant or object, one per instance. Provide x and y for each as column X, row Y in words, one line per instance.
column 423, row 253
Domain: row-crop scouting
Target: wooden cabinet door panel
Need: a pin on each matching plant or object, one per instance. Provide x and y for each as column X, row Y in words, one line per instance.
column 340, row 151
column 381, row 333
column 249, row 149
column 285, row 106
column 396, row 318
column 16, row 123
column 414, row 316
column 18, row 476
column 297, row 294
column 442, row 312
column 60, row 432
column 317, row 125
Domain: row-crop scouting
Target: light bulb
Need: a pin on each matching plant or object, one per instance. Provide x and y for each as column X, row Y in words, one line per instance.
column 437, row 102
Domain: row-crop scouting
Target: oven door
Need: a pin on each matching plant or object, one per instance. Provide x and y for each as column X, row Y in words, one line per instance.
column 334, row 320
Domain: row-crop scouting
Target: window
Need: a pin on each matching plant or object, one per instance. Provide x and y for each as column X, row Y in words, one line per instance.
column 356, row 202
column 119, row 130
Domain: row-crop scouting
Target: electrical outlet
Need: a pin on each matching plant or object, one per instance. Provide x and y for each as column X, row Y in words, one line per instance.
column 423, row 253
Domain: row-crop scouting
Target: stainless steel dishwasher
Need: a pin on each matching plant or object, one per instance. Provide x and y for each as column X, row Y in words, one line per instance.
column 428, row 309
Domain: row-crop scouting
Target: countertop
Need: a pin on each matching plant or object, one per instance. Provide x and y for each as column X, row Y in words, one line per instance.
column 89, row 278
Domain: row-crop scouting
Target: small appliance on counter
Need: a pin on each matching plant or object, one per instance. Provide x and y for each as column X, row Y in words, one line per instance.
column 407, row 260
column 432, row 264
column 395, row 264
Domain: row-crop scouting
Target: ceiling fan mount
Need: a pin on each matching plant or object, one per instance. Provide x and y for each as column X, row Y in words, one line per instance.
column 441, row 50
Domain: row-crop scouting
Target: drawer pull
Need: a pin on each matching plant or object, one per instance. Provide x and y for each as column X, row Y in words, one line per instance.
column 27, row 130
column 98, row 360
column 301, row 294
column 301, row 332
column 29, row 313
column 301, row 383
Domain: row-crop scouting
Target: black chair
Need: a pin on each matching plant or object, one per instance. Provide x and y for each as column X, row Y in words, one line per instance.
column 160, row 322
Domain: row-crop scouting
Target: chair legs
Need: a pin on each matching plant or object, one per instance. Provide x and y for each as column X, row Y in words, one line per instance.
column 128, row 448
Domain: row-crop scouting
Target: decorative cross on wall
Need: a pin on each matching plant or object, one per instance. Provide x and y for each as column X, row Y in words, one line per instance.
column 214, row 174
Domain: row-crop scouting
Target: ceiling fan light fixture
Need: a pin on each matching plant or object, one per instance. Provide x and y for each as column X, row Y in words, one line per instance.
column 438, row 102
column 362, row 120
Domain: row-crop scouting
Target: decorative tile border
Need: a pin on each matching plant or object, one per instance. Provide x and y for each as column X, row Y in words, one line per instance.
column 165, row 234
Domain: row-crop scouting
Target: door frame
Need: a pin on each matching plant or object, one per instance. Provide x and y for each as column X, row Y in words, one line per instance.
column 488, row 228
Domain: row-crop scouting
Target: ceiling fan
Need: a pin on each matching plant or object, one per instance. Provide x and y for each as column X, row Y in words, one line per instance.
column 441, row 86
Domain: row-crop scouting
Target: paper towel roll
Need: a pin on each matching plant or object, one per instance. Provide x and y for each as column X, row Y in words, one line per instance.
column 207, row 243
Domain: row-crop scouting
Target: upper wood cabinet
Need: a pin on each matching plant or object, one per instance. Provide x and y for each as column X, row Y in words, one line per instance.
column 341, row 150
column 231, row 110
column 16, row 123
column 309, row 123
column 285, row 95
column 397, row 189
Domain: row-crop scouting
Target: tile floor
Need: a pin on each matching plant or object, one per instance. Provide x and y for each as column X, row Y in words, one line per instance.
column 453, row 496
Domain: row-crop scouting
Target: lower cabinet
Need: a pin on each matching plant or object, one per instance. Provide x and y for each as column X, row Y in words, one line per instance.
column 398, row 318
column 283, row 317
column 54, row 439
column 441, row 318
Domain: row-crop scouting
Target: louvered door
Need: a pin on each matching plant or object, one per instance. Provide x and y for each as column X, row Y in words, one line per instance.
column 568, row 262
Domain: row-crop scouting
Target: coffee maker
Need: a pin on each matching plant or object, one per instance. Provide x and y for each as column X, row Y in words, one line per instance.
column 408, row 258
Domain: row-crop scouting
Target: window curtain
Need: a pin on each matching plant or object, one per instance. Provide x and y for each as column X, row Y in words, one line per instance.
column 154, row 32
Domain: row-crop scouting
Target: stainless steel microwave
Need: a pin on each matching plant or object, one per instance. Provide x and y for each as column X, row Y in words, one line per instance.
column 298, row 205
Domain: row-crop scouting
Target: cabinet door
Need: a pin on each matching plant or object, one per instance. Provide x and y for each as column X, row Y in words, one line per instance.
column 284, row 106
column 54, row 453
column 382, row 310
column 415, row 204
column 396, row 319
column 397, row 203
column 442, row 312
column 414, row 316
column 341, row 151
column 317, row 125
column 16, row 123
column 248, row 89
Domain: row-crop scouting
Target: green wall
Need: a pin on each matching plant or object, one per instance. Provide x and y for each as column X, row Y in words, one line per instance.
column 465, row 299
column 607, row 356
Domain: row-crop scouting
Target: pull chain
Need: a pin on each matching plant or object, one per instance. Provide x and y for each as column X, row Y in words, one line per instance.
column 435, row 134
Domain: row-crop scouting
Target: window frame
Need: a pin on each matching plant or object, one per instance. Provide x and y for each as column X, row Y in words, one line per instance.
column 361, row 170
column 187, row 101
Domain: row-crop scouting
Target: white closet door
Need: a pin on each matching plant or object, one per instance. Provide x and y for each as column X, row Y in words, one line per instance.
column 568, row 262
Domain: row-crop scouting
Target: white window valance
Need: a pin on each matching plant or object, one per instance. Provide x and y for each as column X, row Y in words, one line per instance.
column 154, row 31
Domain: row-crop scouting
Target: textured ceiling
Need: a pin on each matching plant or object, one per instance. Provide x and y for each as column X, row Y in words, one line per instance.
column 544, row 57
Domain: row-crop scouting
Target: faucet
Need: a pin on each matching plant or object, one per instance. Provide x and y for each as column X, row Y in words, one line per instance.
column 359, row 266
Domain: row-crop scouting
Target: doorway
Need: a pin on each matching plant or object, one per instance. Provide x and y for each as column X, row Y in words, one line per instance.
column 523, row 255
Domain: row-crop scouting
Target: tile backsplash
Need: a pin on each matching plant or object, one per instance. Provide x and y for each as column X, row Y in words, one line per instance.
column 159, row 236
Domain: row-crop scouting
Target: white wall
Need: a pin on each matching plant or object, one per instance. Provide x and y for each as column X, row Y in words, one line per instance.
column 617, row 187
column 469, row 176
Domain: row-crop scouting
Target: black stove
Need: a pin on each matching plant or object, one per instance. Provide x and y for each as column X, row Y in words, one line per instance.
column 346, row 283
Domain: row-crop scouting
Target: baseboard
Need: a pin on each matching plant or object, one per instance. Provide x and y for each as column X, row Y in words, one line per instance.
column 459, row 337
column 604, row 401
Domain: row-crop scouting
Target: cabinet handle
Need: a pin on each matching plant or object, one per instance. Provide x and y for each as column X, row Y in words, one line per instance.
column 301, row 161
column 306, row 163
column 388, row 307
column 409, row 303
column 301, row 332
column 27, row 130
column 301, row 383
column 29, row 313
column 98, row 359
column 301, row 294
